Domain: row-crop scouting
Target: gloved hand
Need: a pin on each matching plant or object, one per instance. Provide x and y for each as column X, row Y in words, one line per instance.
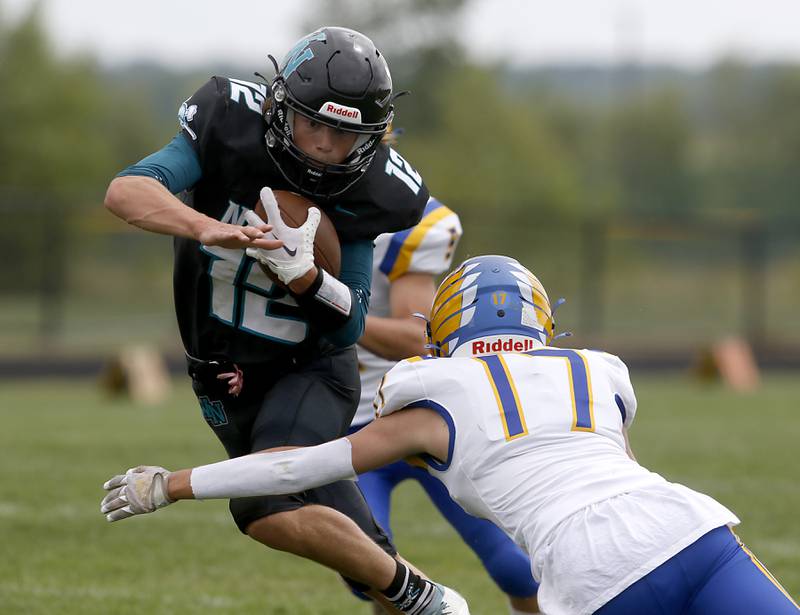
column 140, row 490
column 296, row 257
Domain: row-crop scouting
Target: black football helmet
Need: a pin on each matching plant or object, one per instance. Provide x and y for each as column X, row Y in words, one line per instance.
column 337, row 77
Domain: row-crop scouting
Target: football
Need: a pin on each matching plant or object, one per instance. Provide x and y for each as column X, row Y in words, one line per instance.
column 294, row 211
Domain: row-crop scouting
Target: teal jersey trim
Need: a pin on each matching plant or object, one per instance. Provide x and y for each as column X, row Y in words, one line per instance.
column 356, row 273
column 175, row 165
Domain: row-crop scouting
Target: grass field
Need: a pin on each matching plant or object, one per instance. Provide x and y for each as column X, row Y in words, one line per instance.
column 60, row 440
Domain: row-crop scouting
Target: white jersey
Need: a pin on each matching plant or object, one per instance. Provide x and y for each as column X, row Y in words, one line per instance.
column 537, row 446
column 427, row 247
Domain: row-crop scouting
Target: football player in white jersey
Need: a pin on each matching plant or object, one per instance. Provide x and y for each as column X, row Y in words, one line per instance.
column 404, row 267
column 530, row 437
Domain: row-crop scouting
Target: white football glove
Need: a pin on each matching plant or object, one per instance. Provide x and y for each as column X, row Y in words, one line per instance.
column 140, row 490
column 296, row 257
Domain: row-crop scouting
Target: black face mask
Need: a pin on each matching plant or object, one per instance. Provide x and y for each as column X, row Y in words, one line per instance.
column 306, row 174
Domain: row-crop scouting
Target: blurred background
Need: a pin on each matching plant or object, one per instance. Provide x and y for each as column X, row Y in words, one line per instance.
column 641, row 158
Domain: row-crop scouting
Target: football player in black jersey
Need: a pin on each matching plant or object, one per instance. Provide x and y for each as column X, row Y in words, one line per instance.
column 274, row 365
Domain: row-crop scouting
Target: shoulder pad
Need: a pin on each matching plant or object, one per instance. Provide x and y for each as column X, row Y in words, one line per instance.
column 427, row 247
column 617, row 373
column 390, row 197
column 400, row 387
column 221, row 109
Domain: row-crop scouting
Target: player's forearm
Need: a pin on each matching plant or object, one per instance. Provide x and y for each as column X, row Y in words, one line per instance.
column 356, row 277
column 266, row 473
column 394, row 338
column 337, row 311
column 145, row 203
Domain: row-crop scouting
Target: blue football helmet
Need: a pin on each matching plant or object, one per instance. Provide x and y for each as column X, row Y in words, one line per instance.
column 490, row 304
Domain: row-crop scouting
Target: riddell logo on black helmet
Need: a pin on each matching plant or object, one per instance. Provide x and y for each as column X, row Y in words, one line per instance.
column 341, row 112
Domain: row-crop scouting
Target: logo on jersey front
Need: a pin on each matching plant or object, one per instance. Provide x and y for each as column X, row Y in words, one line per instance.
column 300, row 53
column 213, row 412
column 185, row 115
column 341, row 112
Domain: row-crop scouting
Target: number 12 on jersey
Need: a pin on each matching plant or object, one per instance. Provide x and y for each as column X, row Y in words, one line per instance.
column 396, row 165
column 508, row 403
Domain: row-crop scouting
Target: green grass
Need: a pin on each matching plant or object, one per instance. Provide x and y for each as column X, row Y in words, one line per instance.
column 60, row 440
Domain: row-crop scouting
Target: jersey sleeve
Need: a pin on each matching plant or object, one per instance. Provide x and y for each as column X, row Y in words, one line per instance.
column 427, row 247
column 175, row 166
column 620, row 380
column 400, row 387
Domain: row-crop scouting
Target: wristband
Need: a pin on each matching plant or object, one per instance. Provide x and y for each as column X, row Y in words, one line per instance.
column 330, row 292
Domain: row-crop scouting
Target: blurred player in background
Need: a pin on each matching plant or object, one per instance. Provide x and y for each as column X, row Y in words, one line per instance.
column 533, row 438
column 274, row 365
column 405, row 265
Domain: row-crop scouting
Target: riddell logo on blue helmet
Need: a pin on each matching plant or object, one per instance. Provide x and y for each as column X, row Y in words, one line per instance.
column 490, row 304
column 512, row 343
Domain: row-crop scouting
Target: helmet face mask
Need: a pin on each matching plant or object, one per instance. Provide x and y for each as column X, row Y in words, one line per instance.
column 490, row 304
column 334, row 76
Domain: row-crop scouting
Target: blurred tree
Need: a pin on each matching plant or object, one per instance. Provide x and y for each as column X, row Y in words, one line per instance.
column 751, row 149
column 63, row 135
column 61, row 132
column 494, row 157
column 649, row 147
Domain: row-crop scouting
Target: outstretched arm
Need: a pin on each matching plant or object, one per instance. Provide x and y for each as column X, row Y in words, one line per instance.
column 146, row 488
column 398, row 435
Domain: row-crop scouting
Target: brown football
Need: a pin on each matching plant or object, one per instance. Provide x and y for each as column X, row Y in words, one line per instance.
column 294, row 211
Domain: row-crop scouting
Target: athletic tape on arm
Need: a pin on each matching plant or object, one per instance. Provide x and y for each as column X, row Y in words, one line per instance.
column 334, row 294
column 275, row 473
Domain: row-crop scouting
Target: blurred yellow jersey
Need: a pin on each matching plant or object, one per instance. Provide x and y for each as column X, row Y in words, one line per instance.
column 536, row 443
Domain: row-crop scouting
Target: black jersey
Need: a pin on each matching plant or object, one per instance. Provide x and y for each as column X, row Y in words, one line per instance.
column 226, row 305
